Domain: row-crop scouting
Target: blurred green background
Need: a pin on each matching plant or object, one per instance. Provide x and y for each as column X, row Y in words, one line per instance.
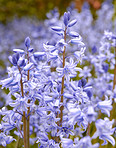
column 38, row 8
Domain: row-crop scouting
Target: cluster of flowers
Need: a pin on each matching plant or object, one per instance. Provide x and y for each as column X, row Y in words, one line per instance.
column 54, row 94
column 13, row 33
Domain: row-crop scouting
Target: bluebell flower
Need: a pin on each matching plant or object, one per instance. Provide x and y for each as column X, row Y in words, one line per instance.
column 105, row 106
column 14, row 59
column 78, row 41
column 80, row 91
column 38, row 54
column 105, row 67
column 42, row 138
column 72, row 23
column 60, row 45
column 4, row 139
column 54, row 106
column 17, row 60
column 53, row 144
column 66, row 18
column 82, row 82
column 43, row 141
column 94, row 49
column 86, row 72
column 28, row 66
column 20, row 103
column 70, row 70
column 65, row 131
column 85, row 142
column 75, row 115
column 73, row 34
column 79, row 54
column 21, row 62
column 104, row 130
column 108, row 35
column 67, row 142
column 91, row 114
column 57, row 28
column 27, row 42
column 20, row 51
column 52, row 128
column 6, row 82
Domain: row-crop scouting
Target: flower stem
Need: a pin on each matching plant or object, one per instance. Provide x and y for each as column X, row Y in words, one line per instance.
column 24, row 118
column 62, row 89
column 114, row 83
column 113, row 112
column 88, row 130
column 28, row 111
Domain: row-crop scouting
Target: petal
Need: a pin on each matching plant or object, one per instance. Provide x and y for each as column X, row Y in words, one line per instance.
column 73, row 34
column 28, row 66
column 38, row 54
column 7, row 81
column 68, row 96
column 21, row 51
column 111, row 139
column 56, row 28
column 48, row 99
column 76, row 41
column 72, row 23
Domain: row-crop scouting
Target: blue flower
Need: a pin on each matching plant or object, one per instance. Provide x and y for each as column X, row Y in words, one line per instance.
column 85, row 142
column 20, row 103
column 70, row 70
column 27, row 42
column 17, row 60
column 105, row 106
column 72, row 23
column 91, row 114
column 94, row 49
column 65, row 130
column 104, row 130
column 66, row 18
column 105, row 67
column 4, row 139
column 67, row 143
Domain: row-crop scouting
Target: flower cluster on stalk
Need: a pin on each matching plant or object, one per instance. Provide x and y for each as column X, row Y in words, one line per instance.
column 35, row 88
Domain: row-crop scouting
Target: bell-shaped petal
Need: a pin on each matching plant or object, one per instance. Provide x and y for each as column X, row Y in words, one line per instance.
column 7, row 81
column 77, row 41
column 48, row 99
column 38, row 54
column 73, row 34
column 57, row 28
column 109, row 138
column 28, row 66
column 105, row 106
column 27, row 42
column 67, row 143
column 68, row 96
column 72, row 23
column 30, row 50
column 21, row 62
column 21, row 51
column 65, row 17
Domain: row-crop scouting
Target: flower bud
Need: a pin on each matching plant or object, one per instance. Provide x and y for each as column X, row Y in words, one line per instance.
column 27, row 42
